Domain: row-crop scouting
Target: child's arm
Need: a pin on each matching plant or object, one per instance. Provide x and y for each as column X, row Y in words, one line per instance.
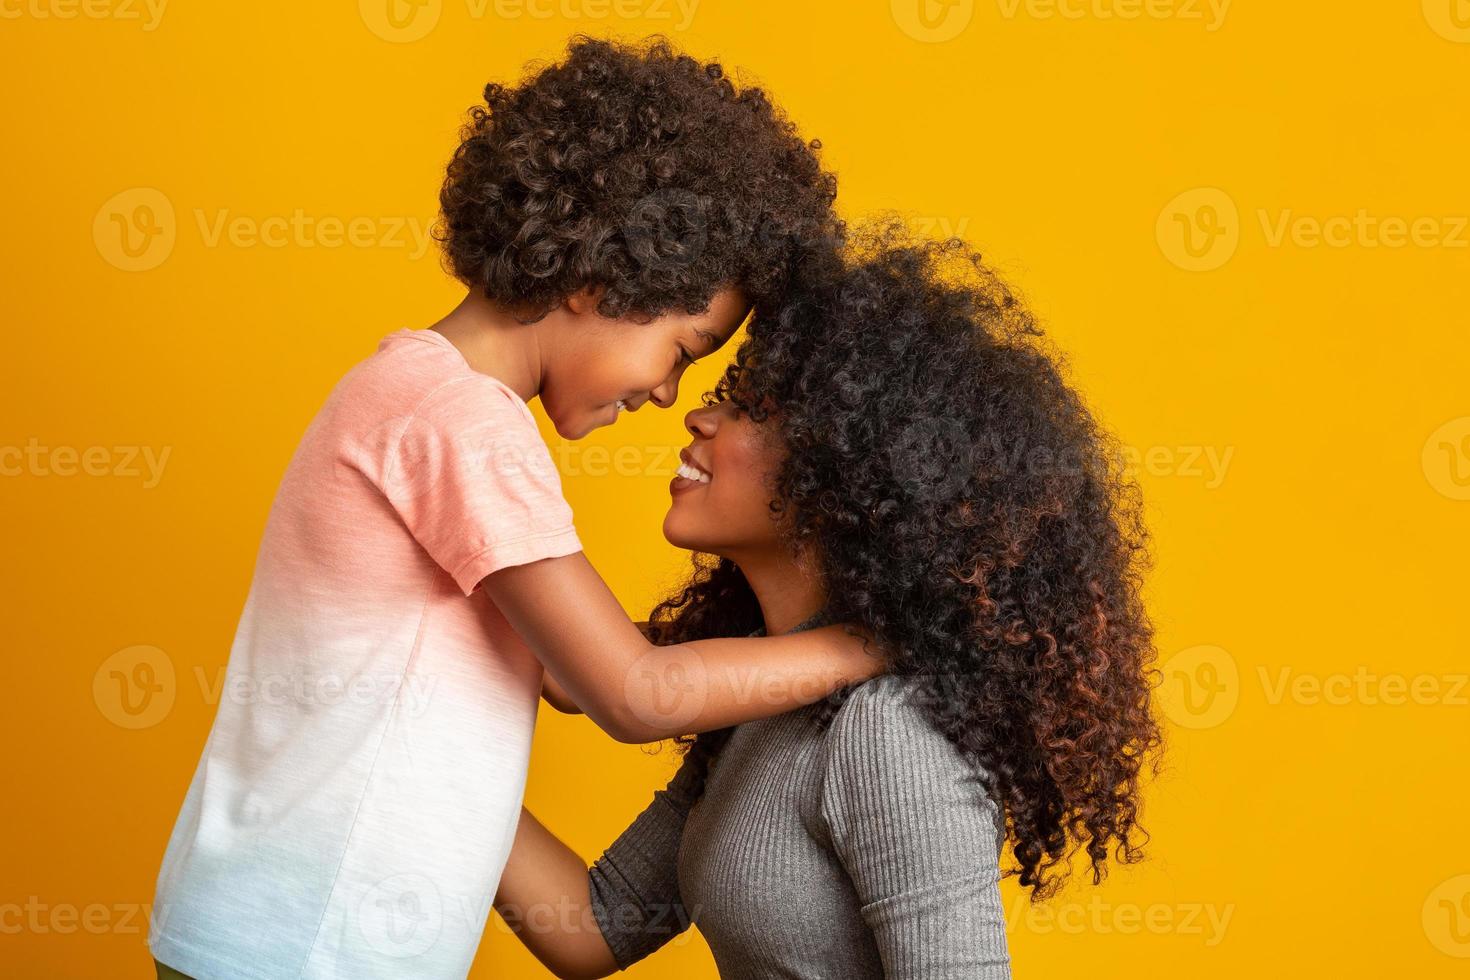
column 545, row 898
column 552, row 694
column 638, row 692
column 556, row 696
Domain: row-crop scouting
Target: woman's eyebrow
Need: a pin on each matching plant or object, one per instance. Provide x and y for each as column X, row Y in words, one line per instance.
column 709, row 338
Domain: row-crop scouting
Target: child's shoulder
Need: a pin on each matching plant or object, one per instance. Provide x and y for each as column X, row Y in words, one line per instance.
column 420, row 374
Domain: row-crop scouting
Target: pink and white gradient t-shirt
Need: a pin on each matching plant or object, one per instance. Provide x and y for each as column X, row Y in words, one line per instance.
column 359, row 792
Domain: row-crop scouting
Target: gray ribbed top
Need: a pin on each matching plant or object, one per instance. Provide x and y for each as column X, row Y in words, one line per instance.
column 865, row 849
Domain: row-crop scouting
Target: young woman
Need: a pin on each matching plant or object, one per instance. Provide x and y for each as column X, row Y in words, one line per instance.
column 893, row 448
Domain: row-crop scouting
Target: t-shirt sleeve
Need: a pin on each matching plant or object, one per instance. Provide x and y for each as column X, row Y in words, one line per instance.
column 474, row 482
column 634, row 885
column 918, row 836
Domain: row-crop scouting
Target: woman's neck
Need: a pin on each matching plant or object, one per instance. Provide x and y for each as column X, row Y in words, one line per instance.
column 788, row 591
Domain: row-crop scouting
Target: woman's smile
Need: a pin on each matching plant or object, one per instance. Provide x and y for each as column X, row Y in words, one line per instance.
column 690, row 473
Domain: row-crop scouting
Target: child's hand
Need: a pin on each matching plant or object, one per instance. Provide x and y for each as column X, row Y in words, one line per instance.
column 857, row 646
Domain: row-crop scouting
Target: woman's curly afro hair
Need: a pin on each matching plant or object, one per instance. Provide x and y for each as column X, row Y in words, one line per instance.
column 633, row 168
column 962, row 504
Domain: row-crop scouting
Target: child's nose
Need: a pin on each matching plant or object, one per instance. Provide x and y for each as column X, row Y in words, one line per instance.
column 666, row 394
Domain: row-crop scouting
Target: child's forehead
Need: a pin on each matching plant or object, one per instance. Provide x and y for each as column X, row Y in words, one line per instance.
column 727, row 311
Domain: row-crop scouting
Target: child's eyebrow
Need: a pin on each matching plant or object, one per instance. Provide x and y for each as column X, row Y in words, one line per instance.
column 709, row 338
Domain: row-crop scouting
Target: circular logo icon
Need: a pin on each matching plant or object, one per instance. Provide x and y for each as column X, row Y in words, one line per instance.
column 933, row 458
column 1199, row 229
column 1447, row 917
column 401, row 916
column 1446, row 459
column 1450, row 19
column 410, row 457
column 667, row 230
column 400, row 21
column 399, row 455
column 932, row 21
column 1201, row 687
column 135, row 230
column 135, row 687
column 666, row 695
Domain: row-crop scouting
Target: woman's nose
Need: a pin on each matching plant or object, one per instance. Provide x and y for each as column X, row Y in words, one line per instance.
column 702, row 422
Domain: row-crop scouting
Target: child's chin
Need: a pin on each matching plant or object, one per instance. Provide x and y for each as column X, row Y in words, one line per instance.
column 573, row 429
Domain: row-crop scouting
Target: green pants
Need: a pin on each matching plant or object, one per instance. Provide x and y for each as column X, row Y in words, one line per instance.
column 169, row 973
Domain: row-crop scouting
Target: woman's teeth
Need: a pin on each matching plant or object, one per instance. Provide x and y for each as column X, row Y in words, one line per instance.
column 622, row 406
column 690, row 473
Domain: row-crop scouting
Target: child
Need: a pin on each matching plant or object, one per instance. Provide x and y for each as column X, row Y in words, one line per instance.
column 614, row 217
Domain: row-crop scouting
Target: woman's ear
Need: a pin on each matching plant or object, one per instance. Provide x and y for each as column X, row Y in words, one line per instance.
column 585, row 300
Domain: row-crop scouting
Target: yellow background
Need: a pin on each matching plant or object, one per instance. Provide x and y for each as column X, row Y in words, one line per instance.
column 1076, row 145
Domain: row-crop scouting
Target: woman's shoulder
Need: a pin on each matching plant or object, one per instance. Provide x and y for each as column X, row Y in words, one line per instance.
column 885, row 698
column 889, row 719
column 883, row 749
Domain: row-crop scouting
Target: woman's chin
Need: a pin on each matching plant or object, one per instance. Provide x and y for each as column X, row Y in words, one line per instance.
column 680, row 535
column 673, row 533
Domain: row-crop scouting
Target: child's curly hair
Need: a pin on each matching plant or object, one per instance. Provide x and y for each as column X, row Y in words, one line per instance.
column 635, row 168
column 963, row 504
